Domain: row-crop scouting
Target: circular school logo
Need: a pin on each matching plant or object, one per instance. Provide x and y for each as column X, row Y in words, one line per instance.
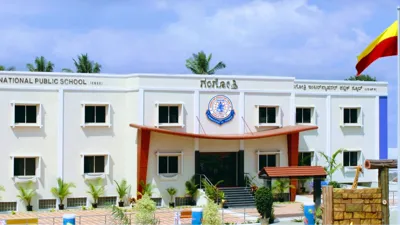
column 220, row 109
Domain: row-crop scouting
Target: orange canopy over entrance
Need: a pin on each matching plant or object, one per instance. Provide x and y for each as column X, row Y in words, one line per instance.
column 256, row 135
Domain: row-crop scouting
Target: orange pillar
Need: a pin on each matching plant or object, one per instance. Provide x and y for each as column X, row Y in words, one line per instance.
column 143, row 147
column 293, row 159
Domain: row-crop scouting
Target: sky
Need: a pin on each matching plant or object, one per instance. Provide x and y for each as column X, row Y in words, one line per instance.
column 315, row 39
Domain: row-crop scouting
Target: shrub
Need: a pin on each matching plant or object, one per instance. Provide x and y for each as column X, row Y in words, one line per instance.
column 145, row 211
column 212, row 191
column 264, row 201
column 211, row 214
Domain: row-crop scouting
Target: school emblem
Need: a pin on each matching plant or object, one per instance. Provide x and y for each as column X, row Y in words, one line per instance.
column 220, row 109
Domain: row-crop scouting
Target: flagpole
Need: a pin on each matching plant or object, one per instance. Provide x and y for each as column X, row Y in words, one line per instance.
column 398, row 117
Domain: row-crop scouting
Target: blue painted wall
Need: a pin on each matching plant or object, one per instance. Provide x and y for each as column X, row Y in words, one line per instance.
column 383, row 127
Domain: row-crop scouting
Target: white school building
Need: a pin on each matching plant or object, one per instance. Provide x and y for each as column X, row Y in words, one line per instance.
column 164, row 128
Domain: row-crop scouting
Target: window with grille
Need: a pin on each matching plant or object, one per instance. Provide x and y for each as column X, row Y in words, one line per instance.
column 107, row 200
column 47, row 203
column 76, row 202
column 8, row 206
column 158, row 201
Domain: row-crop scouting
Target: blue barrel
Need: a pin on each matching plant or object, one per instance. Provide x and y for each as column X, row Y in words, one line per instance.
column 68, row 219
column 197, row 216
column 309, row 212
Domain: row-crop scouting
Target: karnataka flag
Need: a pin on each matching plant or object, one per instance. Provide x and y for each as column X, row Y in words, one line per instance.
column 384, row 45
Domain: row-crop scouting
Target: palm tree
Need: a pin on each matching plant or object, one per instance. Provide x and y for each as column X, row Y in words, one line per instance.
column 3, row 68
column 200, row 64
column 62, row 191
column 84, row 65
column 332, row 164
column 42, row 65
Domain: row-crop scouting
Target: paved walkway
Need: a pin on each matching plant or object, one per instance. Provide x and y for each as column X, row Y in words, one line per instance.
column 166, row 216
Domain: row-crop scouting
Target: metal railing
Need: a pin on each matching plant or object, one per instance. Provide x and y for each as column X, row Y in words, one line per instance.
column 164, row 216
column 205, row 178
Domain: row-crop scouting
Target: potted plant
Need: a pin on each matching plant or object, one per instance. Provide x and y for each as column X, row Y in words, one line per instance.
column 62, row 191
column 213, row 192
column 280, row 186
column 146, row 189
column 191, row 189
column 96, row 190
column 264, row 202
column 171, row 191
column 26, row 194
column 122, row 190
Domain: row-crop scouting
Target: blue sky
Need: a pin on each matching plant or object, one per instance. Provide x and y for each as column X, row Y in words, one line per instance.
column 316, row 39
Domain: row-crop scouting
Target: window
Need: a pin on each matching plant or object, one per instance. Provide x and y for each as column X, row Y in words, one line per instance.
column 168, row 114
column 351, row 116
column 26, row 114
column 96, row 114
column 25, row 166
column 47, row 203
column 350, row 158
column 268, row 116
column 107, row 200
column 267, row 161
column 305, row 158
column 168, row 164
column 76, row 202
column 304, row 115
column 94, row 164
column 8, row 206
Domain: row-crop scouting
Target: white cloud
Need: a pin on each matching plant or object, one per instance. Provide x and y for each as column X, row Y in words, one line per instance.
column 257, row 34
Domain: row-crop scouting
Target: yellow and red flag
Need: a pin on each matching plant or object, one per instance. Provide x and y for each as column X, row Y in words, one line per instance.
column 384, row 45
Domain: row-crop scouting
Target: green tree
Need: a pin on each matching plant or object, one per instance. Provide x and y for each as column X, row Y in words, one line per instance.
column 3, row 68
column 332, row 164
column 84, row 65
column 200, row 64
column 362, row 77
column 40, row 65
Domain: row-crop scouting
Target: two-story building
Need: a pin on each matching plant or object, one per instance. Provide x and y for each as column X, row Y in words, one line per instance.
column 164, row 128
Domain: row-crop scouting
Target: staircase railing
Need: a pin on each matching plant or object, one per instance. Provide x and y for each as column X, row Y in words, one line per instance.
column 205, row 178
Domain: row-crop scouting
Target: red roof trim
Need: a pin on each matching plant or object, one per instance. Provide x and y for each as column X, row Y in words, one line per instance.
column 256, row 135
column 293, row 171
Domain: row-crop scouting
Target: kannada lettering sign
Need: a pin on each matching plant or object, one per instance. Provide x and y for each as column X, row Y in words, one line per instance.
column 335, row 88
column 215, row 83
column 48, row 81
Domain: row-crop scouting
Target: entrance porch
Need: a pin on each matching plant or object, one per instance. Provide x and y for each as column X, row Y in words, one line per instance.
column 228, row 166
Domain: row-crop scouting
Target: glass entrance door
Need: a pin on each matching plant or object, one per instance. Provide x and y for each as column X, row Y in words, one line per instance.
column 220, row 166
